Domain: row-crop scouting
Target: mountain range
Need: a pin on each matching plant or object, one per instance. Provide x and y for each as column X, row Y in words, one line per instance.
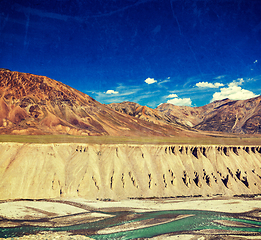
column 35, row 105
column 224, row 116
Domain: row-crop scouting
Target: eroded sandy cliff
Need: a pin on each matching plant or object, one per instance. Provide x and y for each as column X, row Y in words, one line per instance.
column 123, row 171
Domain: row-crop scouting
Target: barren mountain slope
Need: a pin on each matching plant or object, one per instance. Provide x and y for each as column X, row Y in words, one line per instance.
column 31, row 104
column 168, row 113
column 186, row 115
column 190, row 116
column 144, row 113
column 227, row 116
column 242, row 116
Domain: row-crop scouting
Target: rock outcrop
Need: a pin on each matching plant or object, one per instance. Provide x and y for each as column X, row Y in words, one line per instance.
column 121, row 171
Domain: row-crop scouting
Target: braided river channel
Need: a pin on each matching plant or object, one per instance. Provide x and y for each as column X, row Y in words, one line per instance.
column 122, row 224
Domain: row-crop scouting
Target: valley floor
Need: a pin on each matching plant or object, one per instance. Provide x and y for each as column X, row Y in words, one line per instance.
column 203, row 139
column 228, row 218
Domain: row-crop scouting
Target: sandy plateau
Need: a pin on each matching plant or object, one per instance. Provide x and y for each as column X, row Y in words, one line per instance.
column 124, row 171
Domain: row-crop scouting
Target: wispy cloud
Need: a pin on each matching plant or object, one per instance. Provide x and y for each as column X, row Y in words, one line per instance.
column 233, row 92
column 164, row 81
column 124, row 93
column 116, row 96
column 209, row 85
column 220, row 77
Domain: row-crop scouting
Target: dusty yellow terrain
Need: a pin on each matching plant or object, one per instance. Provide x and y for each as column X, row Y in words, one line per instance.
column 122, row 171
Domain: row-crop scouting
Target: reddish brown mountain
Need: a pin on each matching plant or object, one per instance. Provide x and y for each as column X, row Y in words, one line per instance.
column 242, row 116
column 145, row 113
column 190, row 116
column 225, row 116
column 168, row 113
column 31, row 104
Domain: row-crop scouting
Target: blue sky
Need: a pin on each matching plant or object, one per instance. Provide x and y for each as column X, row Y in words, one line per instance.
column 188, row 52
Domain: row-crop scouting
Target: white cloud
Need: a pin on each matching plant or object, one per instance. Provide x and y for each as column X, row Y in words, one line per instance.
column 209, row 85
column 233, row 92
column 255, row 61
column 180, row 101
column 150, row 81
column 112, row 92
column 173, row 95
